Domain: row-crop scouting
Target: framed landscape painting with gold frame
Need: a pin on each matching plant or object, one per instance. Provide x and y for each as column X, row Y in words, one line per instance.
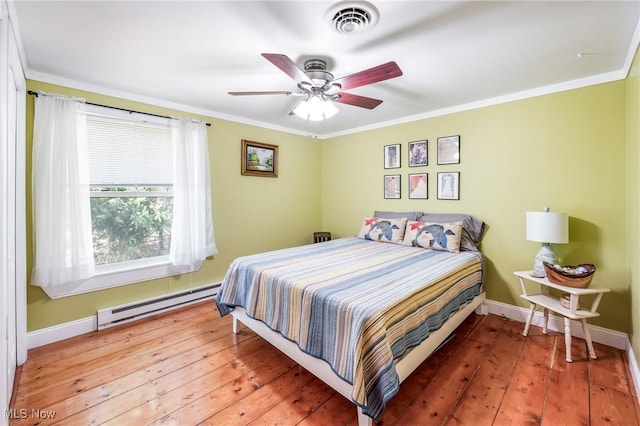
column 259, row 159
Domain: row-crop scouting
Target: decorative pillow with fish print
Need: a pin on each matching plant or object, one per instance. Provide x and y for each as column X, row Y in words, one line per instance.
column 435, row 236
column 382, row 229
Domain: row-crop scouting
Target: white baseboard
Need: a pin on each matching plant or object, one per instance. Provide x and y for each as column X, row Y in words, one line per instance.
column 59, row 332
column 605, row 336
column 74, row 328
column 635, row 372
column 601, row 335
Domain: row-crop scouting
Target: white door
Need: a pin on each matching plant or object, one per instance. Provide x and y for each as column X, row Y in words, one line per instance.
column 10, row 264
column 12, row 214
column 6, row 378
column 17, row 138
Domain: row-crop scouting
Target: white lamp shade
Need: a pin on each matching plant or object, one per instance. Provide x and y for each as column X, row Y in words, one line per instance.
column 315, row 109
column 548, row 227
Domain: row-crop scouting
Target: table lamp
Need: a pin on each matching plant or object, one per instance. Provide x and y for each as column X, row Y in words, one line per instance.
column 546, row 227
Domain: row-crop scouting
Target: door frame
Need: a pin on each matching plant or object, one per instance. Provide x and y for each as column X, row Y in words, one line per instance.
column 20, row 198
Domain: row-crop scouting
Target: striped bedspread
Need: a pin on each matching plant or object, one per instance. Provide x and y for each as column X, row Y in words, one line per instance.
column 359, row 305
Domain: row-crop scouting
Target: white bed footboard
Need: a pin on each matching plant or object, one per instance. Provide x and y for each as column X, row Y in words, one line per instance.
column 323, row 371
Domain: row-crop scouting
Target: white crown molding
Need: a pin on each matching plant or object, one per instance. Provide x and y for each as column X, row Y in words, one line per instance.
column 631, row 52
column 15, row 25
column 554, row 88
column 621, row 74
column 516, row 96
column 78, row 85
column 525, row 94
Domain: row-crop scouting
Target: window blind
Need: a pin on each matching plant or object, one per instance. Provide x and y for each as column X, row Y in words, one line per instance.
column 124, row 152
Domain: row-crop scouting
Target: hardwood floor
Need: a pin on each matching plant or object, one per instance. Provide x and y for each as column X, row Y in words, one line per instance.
column 186, row 367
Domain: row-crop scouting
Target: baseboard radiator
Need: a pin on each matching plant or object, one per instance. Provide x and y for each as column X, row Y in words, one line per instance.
column 122, row 314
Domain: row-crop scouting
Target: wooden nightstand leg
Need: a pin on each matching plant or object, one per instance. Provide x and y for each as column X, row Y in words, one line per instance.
column 545, row 313
column 567, row 338
column 587, row 337
column 529, row 318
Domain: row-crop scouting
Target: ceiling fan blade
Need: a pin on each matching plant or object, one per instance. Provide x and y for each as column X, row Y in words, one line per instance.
column 357, row 100
column 369, row 76
column 287, row 65
column 272, row 92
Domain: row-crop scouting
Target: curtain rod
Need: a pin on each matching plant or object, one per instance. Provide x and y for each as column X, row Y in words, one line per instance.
column 32, row 93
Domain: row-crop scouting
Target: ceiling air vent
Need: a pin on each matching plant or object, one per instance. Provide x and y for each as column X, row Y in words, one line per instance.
column 349, row 17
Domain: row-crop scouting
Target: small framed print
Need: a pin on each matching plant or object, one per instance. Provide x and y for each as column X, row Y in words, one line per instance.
column 449, row 150
column 392, row 186
column 448, row 185
column 259, row 159
column 392, row 156
column 418, row 186
column 418, row 153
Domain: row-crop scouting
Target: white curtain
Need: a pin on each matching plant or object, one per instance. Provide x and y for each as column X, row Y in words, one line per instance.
column 192, row 237
column 61, row 209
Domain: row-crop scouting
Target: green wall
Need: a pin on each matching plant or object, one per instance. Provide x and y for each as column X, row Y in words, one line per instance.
column 633, row 199
column 250, row 214
column 565, row 151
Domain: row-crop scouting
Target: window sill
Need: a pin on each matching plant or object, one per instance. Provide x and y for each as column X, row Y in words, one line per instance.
column 115, row 275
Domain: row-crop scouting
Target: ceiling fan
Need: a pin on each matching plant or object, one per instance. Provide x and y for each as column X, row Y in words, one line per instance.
column 318, row 86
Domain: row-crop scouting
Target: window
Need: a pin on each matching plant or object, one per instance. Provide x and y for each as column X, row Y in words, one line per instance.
column 131, row 198
column 131, row 176
column 143, row 204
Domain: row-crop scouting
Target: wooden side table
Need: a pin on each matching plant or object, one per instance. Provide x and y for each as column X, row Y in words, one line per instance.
column 550, row 303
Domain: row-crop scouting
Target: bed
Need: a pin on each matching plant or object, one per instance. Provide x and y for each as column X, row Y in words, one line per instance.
column 361, row 313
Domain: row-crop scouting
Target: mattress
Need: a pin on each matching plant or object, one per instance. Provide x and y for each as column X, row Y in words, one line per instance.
column 357, row 304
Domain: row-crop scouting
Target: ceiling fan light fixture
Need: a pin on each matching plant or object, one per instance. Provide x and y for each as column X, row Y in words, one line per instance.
column 350, row 17
column 315, row 108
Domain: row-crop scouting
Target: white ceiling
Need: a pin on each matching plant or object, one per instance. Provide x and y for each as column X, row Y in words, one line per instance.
column 453, row 54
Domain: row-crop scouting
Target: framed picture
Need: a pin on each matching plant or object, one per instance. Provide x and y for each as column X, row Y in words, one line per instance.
column 449, row 150
column 259, row 159
column 392, row 156
column 418, row 153
column 448, row 185
column 392, row 186
column 419, row 186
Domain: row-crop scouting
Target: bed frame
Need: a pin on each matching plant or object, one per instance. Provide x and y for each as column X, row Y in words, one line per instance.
column 323, row 371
